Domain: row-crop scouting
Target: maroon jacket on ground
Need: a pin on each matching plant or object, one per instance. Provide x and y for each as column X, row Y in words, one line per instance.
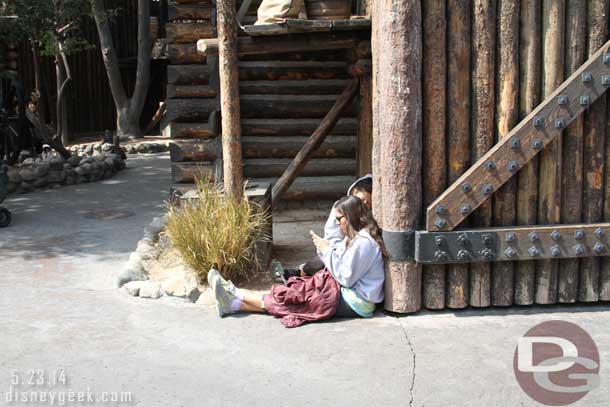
column 303, row 299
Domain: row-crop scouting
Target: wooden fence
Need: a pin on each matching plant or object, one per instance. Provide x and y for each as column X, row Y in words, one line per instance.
column 90, row 103
column 485, row 65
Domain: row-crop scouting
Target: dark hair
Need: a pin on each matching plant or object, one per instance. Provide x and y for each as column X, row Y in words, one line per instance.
column 365, row 185
column 359, row 217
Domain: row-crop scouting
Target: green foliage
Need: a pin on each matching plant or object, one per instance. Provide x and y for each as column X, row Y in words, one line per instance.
column 218, row 231
column 46, row 23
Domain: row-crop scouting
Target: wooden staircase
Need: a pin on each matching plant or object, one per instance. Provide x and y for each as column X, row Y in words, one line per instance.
column 283, row 99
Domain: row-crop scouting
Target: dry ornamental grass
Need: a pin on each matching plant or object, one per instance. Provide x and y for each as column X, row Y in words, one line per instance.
column 217, row 231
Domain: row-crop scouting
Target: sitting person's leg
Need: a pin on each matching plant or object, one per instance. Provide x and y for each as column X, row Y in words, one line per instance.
column 230, row 299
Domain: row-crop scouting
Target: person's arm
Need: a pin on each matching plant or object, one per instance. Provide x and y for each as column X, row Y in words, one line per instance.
column 348, row 266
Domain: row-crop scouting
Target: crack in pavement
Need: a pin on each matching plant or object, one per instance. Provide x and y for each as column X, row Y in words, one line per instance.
column 412, row 388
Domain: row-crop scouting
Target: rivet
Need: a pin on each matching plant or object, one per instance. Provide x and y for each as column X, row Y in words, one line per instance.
column 465, row 208
column 537, row 144
column 606, row 58
column 555, row 250
column 579, row 234
column 462, row 239
column 490, row 165
column 587, row 77
column 488, row 240
column 487, row 254
column 533, row 251
column 440, row 255
column 555, row 235
column 510, row 252
column 515, row 143
column 466, row 187
column 560, row 123
column 509, row 237
column 538, row 122
column 584, row 100
column 487, row 189
column 562, row 100
column 441, row 209
column 605, row 79
column 440, row 241
column 533, row 236
column 463, row 254
column 599, row 232
column 599, row 248
column 579, row 249
column 440, row 223
column 513, row 166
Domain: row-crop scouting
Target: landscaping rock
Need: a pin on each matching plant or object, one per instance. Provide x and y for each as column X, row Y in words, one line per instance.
column 74, row 160
column 88, row 150
column 132, row 271
column 25, row 187
column 41, row 170
column 145, row 250
column 150, row 289
column 154, row 228
column 28, row 161
column 55, row 176
column 184, row 286
column 133, row 287
column 13, row 176
column 27, row 174
column 56, row 163
column 41, row 182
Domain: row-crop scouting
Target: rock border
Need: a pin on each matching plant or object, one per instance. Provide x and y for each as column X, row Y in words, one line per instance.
column 134, row 280
column 144, row 147
column 34, row 174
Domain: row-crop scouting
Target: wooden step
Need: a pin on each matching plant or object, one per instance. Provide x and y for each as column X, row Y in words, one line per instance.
column 175, row 130
column 186, row 91
column 181, row 54
column 188, row 33
column 290, row 106
column 185, row 172
column 275, row 167
column 195, row 150
column 293, row 127
column 188, row 110
column 313, row 188
column 181, row 12
column 292, row 70
column 282, row 147
column 189, row 74
column 306, row 87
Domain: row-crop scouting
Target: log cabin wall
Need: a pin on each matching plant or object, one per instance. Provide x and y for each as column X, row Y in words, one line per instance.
column 487, row 64
column 284, row 97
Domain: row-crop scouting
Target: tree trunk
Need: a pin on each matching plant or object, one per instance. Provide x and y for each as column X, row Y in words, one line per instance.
column 61, row 110
column 128, row 110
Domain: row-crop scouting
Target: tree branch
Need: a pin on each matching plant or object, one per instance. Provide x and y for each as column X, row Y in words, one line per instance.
column 144, row 55
column 111, row 61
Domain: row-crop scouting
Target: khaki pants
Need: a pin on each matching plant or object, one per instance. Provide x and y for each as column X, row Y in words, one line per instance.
column 276, row 11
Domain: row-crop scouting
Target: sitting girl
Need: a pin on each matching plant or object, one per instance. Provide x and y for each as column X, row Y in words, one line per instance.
column 350, row 286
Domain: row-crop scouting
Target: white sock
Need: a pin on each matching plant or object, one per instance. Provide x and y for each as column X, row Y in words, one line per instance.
column 239, row 294
column 236, row 304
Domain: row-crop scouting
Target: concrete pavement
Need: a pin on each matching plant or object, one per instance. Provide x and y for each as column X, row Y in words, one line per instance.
column 61, row 311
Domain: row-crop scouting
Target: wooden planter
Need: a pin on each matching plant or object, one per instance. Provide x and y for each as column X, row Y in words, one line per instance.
column 328, row 9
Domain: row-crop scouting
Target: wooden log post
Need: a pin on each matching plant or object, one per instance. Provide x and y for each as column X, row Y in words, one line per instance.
column 529, row 97
column 365, row 123
column 572, row 150
column 314, row 142
column 482, row 125
column 458, row 125
column 594, row 139
column 549, row 188
column 397, row 49
column 507, row 114
column 434, row 151
column 229, row 98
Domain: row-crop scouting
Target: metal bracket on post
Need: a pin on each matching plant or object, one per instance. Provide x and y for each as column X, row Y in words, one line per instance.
column 400, row 245
column 516, row 243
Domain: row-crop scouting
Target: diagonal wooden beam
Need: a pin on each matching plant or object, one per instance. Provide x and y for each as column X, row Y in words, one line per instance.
column 524, row 141
column 314, row 141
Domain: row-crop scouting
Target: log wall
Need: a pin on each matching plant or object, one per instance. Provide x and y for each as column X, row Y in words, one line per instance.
column 486, row 65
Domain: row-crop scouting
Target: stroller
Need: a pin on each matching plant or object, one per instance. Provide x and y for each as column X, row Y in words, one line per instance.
column 5, row 214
